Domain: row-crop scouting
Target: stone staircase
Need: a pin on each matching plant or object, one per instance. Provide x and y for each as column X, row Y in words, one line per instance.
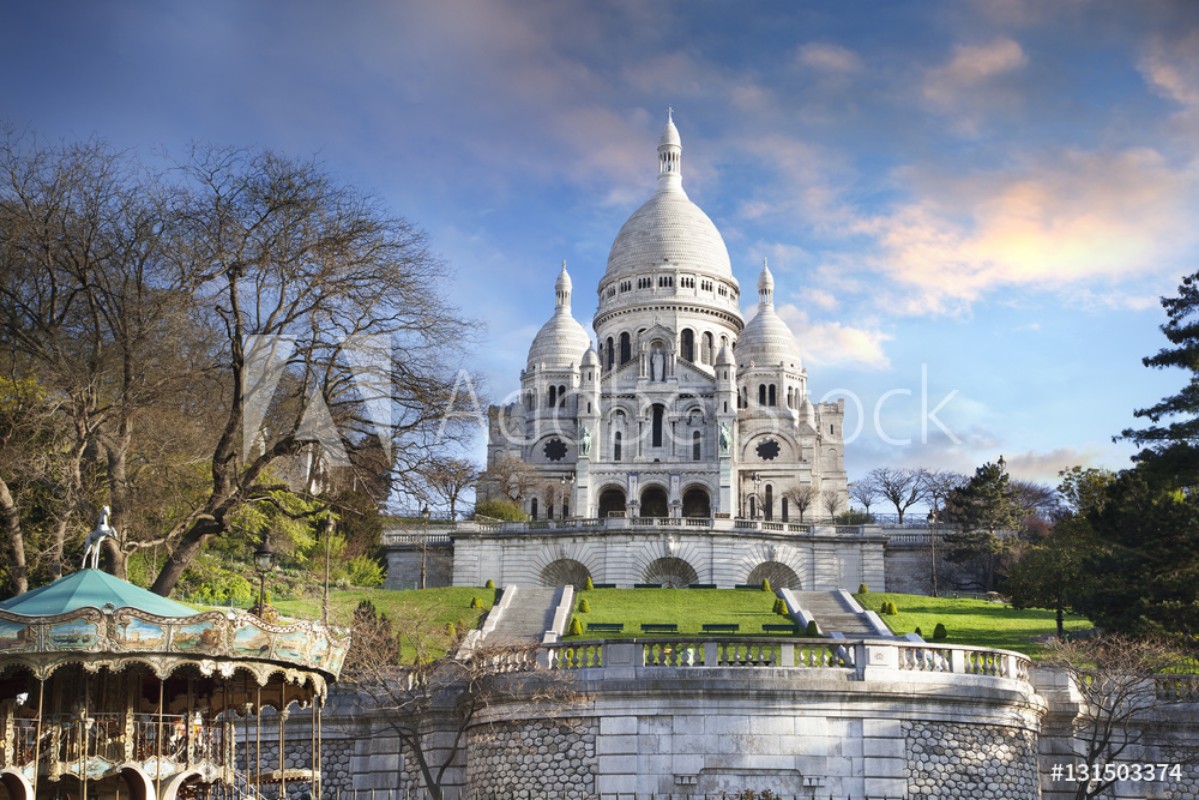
column 528, row 617
column 834, row 615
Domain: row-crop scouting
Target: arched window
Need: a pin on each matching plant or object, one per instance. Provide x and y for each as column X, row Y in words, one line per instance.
column 768, row 502
column 687, row 344
column 773, row 399
column 562, row 396
column 761, row 395
column 696, row 446
column 610, row 352
column 533, row 508
column 553, row 396
column 659, row 413
column 706, row 353
column 784, row 508
column 616, row 437
column 530, row 400
column 753, row 508
column 626, row 348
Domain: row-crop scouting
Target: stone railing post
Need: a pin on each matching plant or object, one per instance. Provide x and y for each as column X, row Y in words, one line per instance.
column 957, row 661
column 875, row 658
column 711, row 654
column 786, row 655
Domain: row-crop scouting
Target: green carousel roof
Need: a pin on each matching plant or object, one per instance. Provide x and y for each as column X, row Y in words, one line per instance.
column 91, row 588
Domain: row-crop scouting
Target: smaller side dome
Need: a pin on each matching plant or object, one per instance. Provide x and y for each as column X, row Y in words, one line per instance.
column 766, row 340
column 561, row 342
column 725, row 357
column 591, row 358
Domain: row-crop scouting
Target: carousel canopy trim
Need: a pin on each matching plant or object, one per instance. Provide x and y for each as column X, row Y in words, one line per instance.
column 92, row 588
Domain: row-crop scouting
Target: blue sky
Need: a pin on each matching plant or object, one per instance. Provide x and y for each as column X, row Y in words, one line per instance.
column 969, row 207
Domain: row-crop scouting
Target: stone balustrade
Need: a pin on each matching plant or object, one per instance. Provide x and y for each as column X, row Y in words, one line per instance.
column 443, row 534
column 858, row 659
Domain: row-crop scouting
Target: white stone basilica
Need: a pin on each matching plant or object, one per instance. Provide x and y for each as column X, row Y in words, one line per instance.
column 683, row 409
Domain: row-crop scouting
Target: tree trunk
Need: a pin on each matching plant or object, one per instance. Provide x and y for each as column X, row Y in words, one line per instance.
column 10, row 527
column 183, row 553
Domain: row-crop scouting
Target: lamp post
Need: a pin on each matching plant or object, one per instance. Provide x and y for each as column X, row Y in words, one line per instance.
column 568, row 482
column 757, row 479
column 424, row 548
column 327, row 528
column 264, row 560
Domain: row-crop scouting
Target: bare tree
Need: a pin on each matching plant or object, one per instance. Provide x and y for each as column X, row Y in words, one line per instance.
column 1117, row 678
column 449, row 478
column 429, row 691
column 937, row 485
column 901, row 486
column 831, row 499
column 510, row 476
column 865, row 491
column 803, row 496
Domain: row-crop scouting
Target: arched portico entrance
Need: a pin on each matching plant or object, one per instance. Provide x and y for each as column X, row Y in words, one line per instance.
column 673, row 573
column 696, row 503
column 611, row 502
column 780, row 575
column 653, row 502
column 565, row 571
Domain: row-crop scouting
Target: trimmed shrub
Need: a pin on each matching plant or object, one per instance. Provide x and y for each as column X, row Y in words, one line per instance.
column 503, row 509
column 584, row 606
column 766, row 585
column 813, row 630
column 863, row 589
column 919, row 632
column 576, row 627
column 780, row 606
column 939, row 632
column 490, row 584
column 588, row 584
column 476, row 602
column 889, row 608
column 451, row 630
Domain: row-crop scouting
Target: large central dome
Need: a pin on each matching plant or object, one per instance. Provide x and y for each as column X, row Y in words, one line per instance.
column 669, row 228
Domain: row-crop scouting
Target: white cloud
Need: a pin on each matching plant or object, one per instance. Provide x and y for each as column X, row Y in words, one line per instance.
column 972, row 67
column 1044, row 466
column 1172, row 69
column 1064, row 220
column 826, row 57
column 832, row 343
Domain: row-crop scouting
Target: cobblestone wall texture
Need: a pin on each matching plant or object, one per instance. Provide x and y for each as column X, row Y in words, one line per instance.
column 542, row 759
column 952, row 761
column 336, row 768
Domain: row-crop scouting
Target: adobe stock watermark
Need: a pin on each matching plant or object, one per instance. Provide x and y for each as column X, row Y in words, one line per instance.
column 365, row 370
column 529, row 416
column 927, row 416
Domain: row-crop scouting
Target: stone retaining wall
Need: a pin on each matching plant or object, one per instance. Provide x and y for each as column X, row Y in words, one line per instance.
column 947, row 761
column 533, row 758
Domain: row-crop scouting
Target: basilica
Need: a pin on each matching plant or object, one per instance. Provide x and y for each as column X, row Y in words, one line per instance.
column 679, row 408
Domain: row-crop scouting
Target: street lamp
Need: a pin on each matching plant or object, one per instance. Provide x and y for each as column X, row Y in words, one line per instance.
column 327, row 528
column 424, row 548
column 264, row 561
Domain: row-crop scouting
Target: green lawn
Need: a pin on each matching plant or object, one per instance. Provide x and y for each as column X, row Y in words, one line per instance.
column 971, row 622
column 688, row 608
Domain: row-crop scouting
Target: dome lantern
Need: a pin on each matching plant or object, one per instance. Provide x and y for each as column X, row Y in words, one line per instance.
column 670, row 155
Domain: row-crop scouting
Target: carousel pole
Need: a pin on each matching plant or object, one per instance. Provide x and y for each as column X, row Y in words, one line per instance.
column 37, row 742
column 282, row 735
column 158, row 737
column 258, row 744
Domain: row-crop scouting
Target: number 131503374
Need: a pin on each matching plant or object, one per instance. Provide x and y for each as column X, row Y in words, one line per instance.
column 1136, row 771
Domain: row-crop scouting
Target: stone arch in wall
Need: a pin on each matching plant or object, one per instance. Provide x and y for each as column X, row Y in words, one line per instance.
column 671, row 572
column 780, row 575
column 611, row 502
column 654, row 502
column 565, row 571
column 697, row 502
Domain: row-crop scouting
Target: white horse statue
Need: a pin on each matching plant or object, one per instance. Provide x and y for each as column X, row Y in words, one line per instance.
column 95, row 540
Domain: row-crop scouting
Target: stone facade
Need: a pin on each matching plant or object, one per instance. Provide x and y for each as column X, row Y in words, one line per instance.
column 681, row 408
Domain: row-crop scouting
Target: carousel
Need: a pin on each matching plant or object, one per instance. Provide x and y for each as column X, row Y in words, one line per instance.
column 108, row 692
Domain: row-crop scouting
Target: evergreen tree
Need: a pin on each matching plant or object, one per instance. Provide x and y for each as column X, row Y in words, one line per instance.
column 986, row 506
column 1171, row 442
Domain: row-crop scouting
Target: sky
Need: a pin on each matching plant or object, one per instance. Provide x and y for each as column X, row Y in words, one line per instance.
column 971, row 209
